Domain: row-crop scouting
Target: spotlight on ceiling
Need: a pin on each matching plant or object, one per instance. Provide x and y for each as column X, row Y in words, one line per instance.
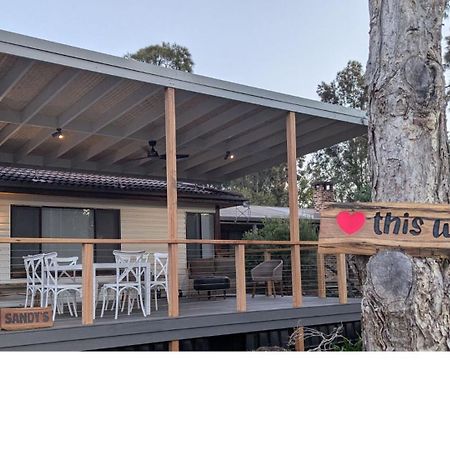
column 58, row 134
column 228, row 155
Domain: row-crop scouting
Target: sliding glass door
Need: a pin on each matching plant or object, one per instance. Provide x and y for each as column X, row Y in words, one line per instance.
column 54, row 222
column 67, row 223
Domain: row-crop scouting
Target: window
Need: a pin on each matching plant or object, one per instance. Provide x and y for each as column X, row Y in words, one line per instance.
column 25, row 222
column 106, row 226
column 66, row 223
column 199, row 226
column 28, row 221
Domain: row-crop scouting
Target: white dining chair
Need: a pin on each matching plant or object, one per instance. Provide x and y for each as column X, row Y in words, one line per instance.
column 126, row 257
column 68, row 261
column 130, row 269
column 131, row 297
column 58, row 282
column 160, row 269
column 34, row 270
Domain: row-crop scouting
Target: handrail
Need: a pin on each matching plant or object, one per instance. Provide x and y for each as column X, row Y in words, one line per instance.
column 278, row 249
column 23, row 240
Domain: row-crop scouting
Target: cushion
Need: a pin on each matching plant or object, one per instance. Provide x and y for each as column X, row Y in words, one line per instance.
column 211, row 283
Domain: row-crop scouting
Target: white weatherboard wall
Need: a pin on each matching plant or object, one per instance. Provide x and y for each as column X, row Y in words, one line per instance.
column 139, row 220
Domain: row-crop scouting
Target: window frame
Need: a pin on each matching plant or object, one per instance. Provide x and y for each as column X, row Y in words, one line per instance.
column 199, row 248
column 14, row 247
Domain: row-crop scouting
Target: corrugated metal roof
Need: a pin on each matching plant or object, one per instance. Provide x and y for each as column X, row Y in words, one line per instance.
column 254, row 213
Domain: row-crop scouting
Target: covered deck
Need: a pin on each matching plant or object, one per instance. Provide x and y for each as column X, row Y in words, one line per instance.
column 108, row 108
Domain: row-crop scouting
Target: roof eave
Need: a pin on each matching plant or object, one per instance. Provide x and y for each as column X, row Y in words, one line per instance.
column 31, row 188
column 52, row 52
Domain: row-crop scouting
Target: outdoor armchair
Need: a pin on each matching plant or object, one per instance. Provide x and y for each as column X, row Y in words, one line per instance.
column 268, row 272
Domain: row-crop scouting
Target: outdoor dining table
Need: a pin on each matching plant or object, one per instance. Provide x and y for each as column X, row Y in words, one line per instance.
column 112, row 267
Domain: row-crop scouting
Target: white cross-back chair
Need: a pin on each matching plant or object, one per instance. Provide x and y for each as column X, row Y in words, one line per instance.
column 58, row 281
column 160, row 268
column 128, row 256
column 67, row 261
column 130, row 271
column 34, row 269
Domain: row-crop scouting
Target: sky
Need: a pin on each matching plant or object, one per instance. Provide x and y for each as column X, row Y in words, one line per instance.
column 283, row 45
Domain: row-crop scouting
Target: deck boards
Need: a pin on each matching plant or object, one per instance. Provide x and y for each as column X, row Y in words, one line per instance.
column 198, row 318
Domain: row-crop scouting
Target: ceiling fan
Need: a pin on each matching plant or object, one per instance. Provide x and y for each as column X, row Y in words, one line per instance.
column 153, row 154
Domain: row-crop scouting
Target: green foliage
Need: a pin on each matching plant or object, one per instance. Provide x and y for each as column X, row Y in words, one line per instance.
column 267, row 187
column 173, row 56
column 347, row 89
column 278, row 230
column 348, row 346
column 270, row 188
column 305, row 192
column 345, row 164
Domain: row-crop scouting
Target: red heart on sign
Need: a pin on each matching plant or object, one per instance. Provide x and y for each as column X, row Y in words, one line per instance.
column 349, row 222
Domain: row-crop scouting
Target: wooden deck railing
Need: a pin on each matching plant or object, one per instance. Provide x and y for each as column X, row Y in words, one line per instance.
column 242, row 248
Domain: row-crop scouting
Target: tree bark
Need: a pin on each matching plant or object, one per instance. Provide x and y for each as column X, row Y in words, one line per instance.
column 406, row 300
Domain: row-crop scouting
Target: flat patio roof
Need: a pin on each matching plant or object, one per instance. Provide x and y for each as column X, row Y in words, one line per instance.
column 257, row 213
column 109, row 107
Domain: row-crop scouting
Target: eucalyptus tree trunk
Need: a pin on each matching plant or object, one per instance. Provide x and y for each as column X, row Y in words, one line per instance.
column 406, row 304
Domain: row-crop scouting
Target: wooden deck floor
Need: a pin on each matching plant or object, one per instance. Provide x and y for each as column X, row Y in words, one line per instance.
column 198, row 318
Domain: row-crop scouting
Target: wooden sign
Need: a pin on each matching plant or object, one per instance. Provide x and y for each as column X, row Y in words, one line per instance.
column 364, row 228
column 25, row 318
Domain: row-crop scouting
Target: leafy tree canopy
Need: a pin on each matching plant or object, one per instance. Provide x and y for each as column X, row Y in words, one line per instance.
column 269, row 187
column 347, row 89
column 173, row 56
column 345, row 164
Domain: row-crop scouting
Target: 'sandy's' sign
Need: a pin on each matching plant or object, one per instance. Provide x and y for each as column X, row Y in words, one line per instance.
column 25, row 318
column 362, row 228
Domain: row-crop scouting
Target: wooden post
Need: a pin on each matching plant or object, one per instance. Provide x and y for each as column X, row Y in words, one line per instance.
column 300, row 340
column 87, row 316
column 174, row 346
column 172, row 207
column 342, row 277
column 241, row 292
column 267, row 257
column 291, row 138
column 321, row 284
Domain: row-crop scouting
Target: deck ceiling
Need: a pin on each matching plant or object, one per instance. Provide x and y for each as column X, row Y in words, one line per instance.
column 110, row 107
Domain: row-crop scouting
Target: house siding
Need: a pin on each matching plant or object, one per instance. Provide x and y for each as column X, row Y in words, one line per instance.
column 139, row 220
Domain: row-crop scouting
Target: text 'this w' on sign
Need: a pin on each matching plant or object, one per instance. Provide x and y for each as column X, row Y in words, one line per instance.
column 364, row 228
